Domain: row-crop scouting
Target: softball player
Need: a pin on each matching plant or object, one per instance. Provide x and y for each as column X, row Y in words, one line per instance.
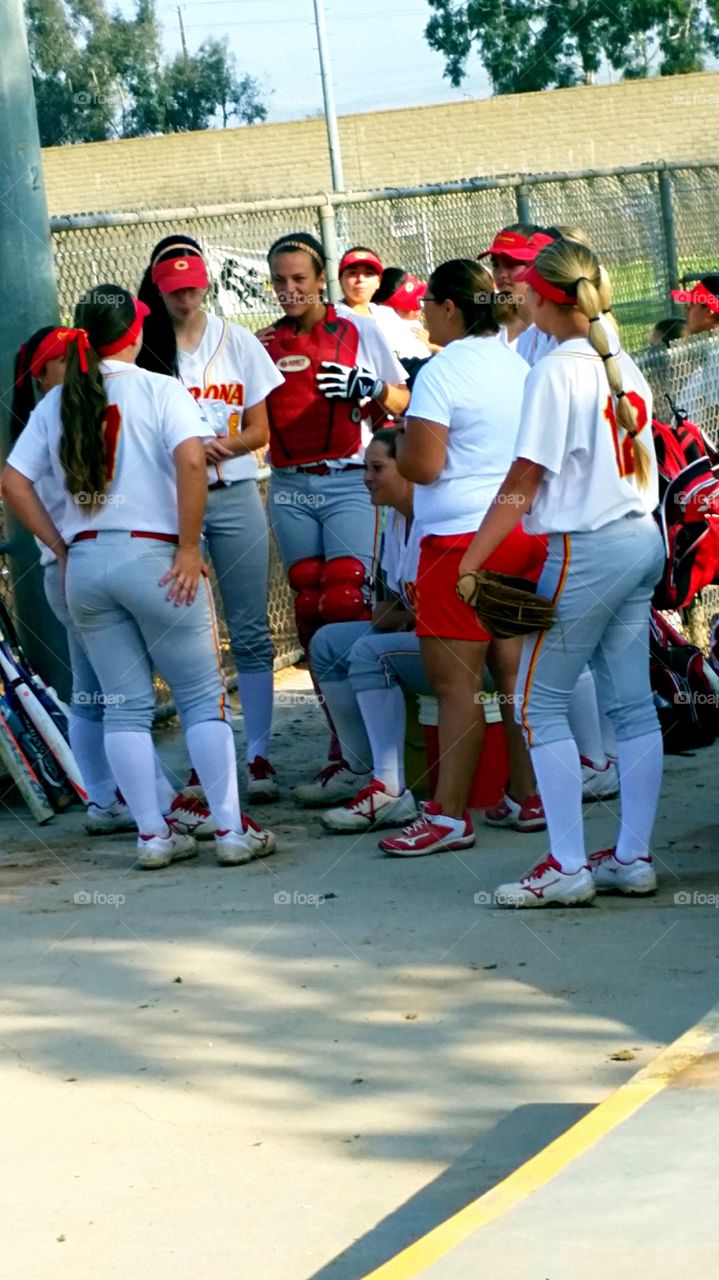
column 230, row 374
column 585, row 464
column 360, row 277
column 125, row 447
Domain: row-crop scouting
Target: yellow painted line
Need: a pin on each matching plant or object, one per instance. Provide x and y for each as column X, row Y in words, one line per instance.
column 538, row 1171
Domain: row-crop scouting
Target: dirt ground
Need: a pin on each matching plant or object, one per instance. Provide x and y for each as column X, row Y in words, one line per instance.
column 291, row 1069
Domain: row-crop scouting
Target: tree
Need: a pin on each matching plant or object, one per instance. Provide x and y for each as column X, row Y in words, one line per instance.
column 99, row 75
column 539, row 44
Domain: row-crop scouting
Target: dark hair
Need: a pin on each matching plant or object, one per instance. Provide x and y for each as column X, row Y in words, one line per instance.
column 23, row 392
column 388, row 437
column 302, row 240
column 159, row 344
column 391, row 280
column 470, row 287
column 670, row 328
column 106, row 313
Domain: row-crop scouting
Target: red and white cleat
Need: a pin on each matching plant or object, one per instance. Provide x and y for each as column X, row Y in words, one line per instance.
column 546, row 885
column 372, row 807
column 262, row 785
column 432, row 832
column 232, row 848
column 335, row 784
column 154, row 852
column 525, row 816
column 599, row 782
column 612, row 876
column 191, row 816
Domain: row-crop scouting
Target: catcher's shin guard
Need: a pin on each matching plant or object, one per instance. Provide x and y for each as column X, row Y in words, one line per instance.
column 305, row 578
column 345, row 591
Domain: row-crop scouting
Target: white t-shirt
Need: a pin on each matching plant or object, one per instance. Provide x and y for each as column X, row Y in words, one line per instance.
column 474, row 388
column 569, row 426
column 398, row 334
column 400, row 555
column 228, row 372
column 150, row 415
column 505, row 339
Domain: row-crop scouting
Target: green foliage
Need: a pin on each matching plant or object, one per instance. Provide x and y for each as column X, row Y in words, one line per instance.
column 526, row 45
column 99, row 75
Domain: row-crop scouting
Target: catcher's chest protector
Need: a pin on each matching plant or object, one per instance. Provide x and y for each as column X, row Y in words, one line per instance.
column 304, row 425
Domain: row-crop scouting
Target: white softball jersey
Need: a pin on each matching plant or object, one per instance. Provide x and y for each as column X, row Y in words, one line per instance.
column 228, row 372
column 533, row 343
column 569, row 426
column 474, row 388
column 400, row 555
column 398, row 334
column 148, row 416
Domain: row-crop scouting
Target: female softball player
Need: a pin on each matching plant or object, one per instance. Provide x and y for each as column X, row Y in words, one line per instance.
column 360, row 276
column 585, row 472
column 125, row 447
column 229, row 373
column 460, row 431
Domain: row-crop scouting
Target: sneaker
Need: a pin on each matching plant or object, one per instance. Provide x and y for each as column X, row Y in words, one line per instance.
column 159, row 851
column 193, row 786
column 612, row 876
column 527, row 816
column 599, row 782
column 262, row 785
column 432, row 832
column 546, row 884
column 334, row 784
column 372, row 807
column 103, row 822
column 192, row 817
column 232, row 848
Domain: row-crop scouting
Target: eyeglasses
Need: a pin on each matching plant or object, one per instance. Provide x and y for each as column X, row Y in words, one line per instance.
column 427, row 299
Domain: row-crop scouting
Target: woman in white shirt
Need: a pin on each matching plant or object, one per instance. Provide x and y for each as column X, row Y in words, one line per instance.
column 584, row 472
column 461, row 426
column 230, row 375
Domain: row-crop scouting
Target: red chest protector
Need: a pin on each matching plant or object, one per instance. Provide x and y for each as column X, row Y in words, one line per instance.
column 304, row 425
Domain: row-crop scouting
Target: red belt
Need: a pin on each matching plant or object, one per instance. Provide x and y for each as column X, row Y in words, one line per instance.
column 323, row 468
column 87, row 534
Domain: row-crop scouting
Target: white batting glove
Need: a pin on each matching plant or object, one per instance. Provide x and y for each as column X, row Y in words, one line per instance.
column 346, row 382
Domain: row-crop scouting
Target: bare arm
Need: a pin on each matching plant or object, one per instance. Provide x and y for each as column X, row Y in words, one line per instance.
column 187, row 567
column 422, row 450
column 510, row 503
column 19, row 494
column 391, row 615
column 254, row 435
column 394, row 397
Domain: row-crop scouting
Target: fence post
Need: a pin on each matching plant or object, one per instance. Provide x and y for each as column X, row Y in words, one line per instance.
column 670, row 239
column 524, row 208
column 28, row 289
column 328, row 231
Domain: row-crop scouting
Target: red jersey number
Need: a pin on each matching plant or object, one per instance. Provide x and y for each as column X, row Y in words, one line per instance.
column 623, row 449
column 111, row 431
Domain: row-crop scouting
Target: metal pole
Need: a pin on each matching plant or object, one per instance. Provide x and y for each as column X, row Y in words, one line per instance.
column 670, row 239
column 27, row 286
column 329, row 244
column 524, row 208
column 333, row 137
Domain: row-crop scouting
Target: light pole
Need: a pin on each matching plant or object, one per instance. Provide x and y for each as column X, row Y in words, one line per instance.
column 333, row 140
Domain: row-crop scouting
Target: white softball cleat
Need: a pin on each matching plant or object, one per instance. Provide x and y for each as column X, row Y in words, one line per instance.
column 233, row 848
column 104, row 822
column 191, row 816
column 612, row 876
column 335, row 784
column 372, row 807
column 548, row 885
column 154, row 852
column 262, row 785
column 599, row 782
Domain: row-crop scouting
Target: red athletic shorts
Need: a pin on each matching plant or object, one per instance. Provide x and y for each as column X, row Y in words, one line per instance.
column 440, row 612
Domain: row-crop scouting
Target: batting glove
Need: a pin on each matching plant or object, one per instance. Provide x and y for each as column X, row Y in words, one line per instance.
column 345, row 382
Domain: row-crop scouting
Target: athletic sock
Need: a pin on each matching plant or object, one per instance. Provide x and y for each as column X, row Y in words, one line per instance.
column 584, row 722
column 641, row 761
column 341, row 703
column 256, row 690
column 559, row 778
column 131, row 755
column 211, row 746
column 165, row 791
column 88, row 747
column 384, row 720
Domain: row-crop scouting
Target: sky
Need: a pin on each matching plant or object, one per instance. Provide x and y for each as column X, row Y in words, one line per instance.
column 378, row 53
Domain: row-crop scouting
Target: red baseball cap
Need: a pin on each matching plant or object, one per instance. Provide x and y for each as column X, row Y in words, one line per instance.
column 183, row 271
column 409, row 295
column 512, row 244
column 360, row 258
column 701, row 292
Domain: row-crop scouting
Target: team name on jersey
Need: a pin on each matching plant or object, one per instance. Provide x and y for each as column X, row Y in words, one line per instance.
column 230, row 392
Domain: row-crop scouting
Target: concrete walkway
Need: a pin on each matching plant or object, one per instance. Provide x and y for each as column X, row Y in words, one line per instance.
column 296, row 1069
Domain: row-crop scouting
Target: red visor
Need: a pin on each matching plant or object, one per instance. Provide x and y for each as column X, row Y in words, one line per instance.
column 409, row 295
column 52, row 347
column 700, row 294
column 512, row 244
column 546, row 290
column 130, row 335
column 190, row 272
column 360, row 258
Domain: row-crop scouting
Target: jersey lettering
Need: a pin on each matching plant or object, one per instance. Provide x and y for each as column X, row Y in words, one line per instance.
column 111, row 423
column 624, row 449
column 230, row 392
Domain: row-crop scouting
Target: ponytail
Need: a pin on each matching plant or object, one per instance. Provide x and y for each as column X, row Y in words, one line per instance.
column 470, row 287
column 573, row 268
column 159, row 348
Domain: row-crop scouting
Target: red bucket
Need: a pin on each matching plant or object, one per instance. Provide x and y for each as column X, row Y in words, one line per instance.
column 492, row 772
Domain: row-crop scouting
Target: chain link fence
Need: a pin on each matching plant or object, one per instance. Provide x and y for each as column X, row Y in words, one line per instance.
column 653, row 226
